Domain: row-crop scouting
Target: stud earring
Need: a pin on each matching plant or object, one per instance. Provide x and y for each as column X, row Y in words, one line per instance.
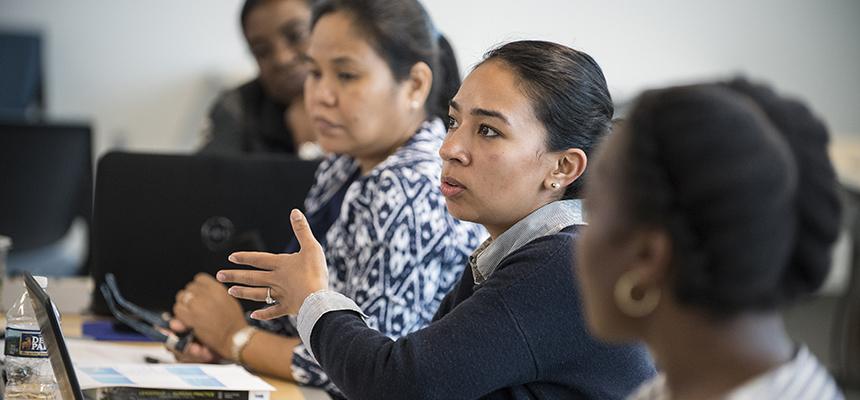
column 555, row 185
column 414, row 105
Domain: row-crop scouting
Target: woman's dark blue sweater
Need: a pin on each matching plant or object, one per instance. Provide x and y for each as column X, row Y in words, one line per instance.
column 519, row 335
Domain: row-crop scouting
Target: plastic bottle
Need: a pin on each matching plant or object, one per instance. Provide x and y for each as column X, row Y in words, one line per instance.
column 28, row 369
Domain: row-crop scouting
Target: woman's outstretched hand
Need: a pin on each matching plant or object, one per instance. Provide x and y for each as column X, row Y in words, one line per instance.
column 287, row 278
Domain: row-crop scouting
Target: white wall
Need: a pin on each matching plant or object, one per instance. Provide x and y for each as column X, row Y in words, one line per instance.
column 142, row 71
column 145, row 71
column 805, row 47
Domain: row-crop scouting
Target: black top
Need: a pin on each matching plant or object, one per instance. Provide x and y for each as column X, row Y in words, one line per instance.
column 246, row 120
column 519, row 335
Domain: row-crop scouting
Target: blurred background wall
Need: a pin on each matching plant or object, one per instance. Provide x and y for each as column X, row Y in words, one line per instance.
column 145, row 72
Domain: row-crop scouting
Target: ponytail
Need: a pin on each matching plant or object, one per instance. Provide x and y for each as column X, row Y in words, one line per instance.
column 446, row 79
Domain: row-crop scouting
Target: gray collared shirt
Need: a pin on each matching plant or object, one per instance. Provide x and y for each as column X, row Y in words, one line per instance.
column 544, row 221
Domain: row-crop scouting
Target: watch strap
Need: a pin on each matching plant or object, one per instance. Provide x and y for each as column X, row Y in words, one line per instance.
column 239, row 340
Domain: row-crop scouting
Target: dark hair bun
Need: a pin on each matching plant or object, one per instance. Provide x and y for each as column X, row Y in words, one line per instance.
column 817, row 206
column 741, row 179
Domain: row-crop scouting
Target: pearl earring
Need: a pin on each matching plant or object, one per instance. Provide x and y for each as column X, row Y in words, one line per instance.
column 414, row 104
column 555, row 185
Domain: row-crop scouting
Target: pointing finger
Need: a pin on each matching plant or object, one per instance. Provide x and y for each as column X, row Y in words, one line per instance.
column 302, row 230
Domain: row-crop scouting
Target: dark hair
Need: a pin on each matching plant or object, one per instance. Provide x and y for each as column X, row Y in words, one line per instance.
column 741, row 180
column 568, row 93
column 250, row 5
column 403, row 34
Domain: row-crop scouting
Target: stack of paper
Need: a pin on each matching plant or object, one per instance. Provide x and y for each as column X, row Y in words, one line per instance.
column 117, row 371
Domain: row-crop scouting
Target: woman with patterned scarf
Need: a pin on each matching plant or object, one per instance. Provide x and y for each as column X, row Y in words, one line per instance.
column 378, row 84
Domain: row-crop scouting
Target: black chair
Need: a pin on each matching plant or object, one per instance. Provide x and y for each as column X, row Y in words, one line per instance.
column 845, row 344
column 160, row 219
column 46, row 183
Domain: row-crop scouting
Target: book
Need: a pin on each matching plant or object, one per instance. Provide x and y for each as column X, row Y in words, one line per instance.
column 170, row 381
column 130, row 393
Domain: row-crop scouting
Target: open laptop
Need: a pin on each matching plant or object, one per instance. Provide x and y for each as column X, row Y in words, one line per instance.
column 49, row 324
column 160, row 219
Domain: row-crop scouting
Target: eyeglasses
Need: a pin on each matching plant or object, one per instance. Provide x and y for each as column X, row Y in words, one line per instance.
column 148, row 323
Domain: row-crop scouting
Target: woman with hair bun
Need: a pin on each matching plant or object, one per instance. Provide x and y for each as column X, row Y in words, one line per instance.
column 713, row 205
column 520, row 131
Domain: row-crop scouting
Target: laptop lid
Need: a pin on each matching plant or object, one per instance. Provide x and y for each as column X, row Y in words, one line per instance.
column 161, row 219
column 49, row 324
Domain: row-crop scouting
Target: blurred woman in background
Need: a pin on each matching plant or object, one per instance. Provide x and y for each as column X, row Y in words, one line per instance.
column 712, row 206
column 266, row 114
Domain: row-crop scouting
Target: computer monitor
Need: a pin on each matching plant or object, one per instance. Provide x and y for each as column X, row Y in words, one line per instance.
column 52, row 333
column 21, row 80
column 46, row 180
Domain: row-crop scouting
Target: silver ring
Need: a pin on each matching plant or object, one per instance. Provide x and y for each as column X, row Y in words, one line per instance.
column 269, row 299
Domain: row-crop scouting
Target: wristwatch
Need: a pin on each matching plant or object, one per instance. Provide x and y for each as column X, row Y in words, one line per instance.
column 239, row 341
